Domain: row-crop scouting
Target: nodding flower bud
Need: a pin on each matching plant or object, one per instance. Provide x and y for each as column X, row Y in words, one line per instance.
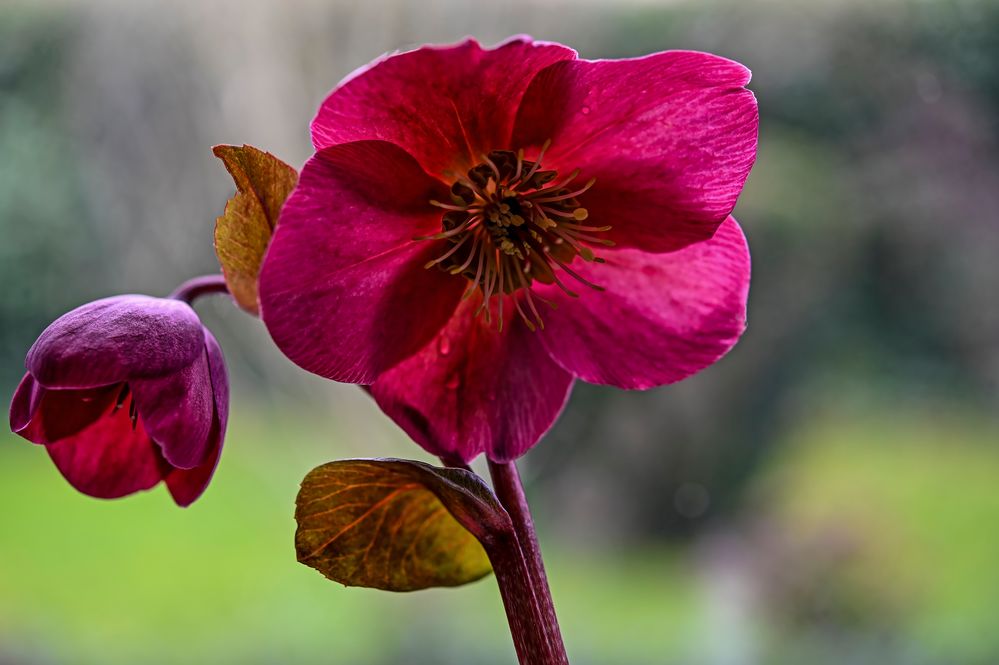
column 126, row 392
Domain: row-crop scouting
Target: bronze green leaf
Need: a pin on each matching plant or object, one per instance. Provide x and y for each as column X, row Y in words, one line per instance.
column 244, row 230
column 396, row 525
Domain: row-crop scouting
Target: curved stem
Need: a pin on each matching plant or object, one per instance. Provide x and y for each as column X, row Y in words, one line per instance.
column 510, row 491
column 196, row 287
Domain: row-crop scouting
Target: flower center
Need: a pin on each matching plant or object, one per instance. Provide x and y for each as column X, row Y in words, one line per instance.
column 511, row 223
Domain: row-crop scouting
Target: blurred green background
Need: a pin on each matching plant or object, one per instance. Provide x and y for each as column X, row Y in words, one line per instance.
column 825, row 494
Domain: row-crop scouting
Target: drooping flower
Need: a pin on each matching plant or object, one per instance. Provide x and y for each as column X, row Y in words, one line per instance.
column 126, row 392
column 478, row 227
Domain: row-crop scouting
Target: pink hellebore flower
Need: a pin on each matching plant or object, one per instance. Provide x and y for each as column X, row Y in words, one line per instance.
column 125, row 392
column 480, row 226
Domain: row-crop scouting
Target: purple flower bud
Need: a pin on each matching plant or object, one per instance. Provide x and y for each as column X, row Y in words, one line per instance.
column 125, row 392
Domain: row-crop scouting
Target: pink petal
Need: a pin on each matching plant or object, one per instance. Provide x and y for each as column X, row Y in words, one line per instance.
column 661, row 317
column 27, row 397
column 111, row 458
column 343, row 290
column 220, row 380
column 115, row 339
column 474, row 389
column 445, row 105
column 178, row 410
column 670, row 139
column 186, row 485
column 352, row 202
column 45, row 416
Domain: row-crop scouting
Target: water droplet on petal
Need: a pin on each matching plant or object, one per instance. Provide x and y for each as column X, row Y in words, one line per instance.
column 444, row 345
column 585, row 110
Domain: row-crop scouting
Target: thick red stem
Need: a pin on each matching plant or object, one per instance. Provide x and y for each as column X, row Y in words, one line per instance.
column 510, row 491
column 526, row 625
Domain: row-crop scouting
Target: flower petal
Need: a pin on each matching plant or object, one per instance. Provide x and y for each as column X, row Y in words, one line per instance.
column 111, row 458
column 474, row 389
column 27, row 397
column 115, row 339
column 220, row 380
column 45, row 416
column 445, row 105
column 186, row 485
column 353, row 324
column 661, row 317
column 670, row 139
column 343, row 290
column 178, row 410
column 343, row 265
column 352, row 202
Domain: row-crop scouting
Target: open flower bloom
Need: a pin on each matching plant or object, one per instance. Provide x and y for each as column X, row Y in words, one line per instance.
column 125, row 392
column 478, row 227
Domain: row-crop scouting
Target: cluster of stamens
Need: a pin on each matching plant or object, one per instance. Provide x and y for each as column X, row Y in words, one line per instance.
column 509, row 224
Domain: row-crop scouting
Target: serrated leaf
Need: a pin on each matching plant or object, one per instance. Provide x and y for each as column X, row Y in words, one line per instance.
column 396, row 525
column 243, row 231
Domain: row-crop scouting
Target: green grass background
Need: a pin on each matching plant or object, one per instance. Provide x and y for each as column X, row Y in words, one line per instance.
column 138, row 580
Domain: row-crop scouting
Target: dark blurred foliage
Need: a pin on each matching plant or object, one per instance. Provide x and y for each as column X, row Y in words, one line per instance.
column 49, row 242
column 873, row 218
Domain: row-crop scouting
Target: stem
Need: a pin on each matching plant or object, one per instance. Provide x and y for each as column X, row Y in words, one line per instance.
column 523, row 611
column 510, row 491
column 196, row 287
column 526, row 626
